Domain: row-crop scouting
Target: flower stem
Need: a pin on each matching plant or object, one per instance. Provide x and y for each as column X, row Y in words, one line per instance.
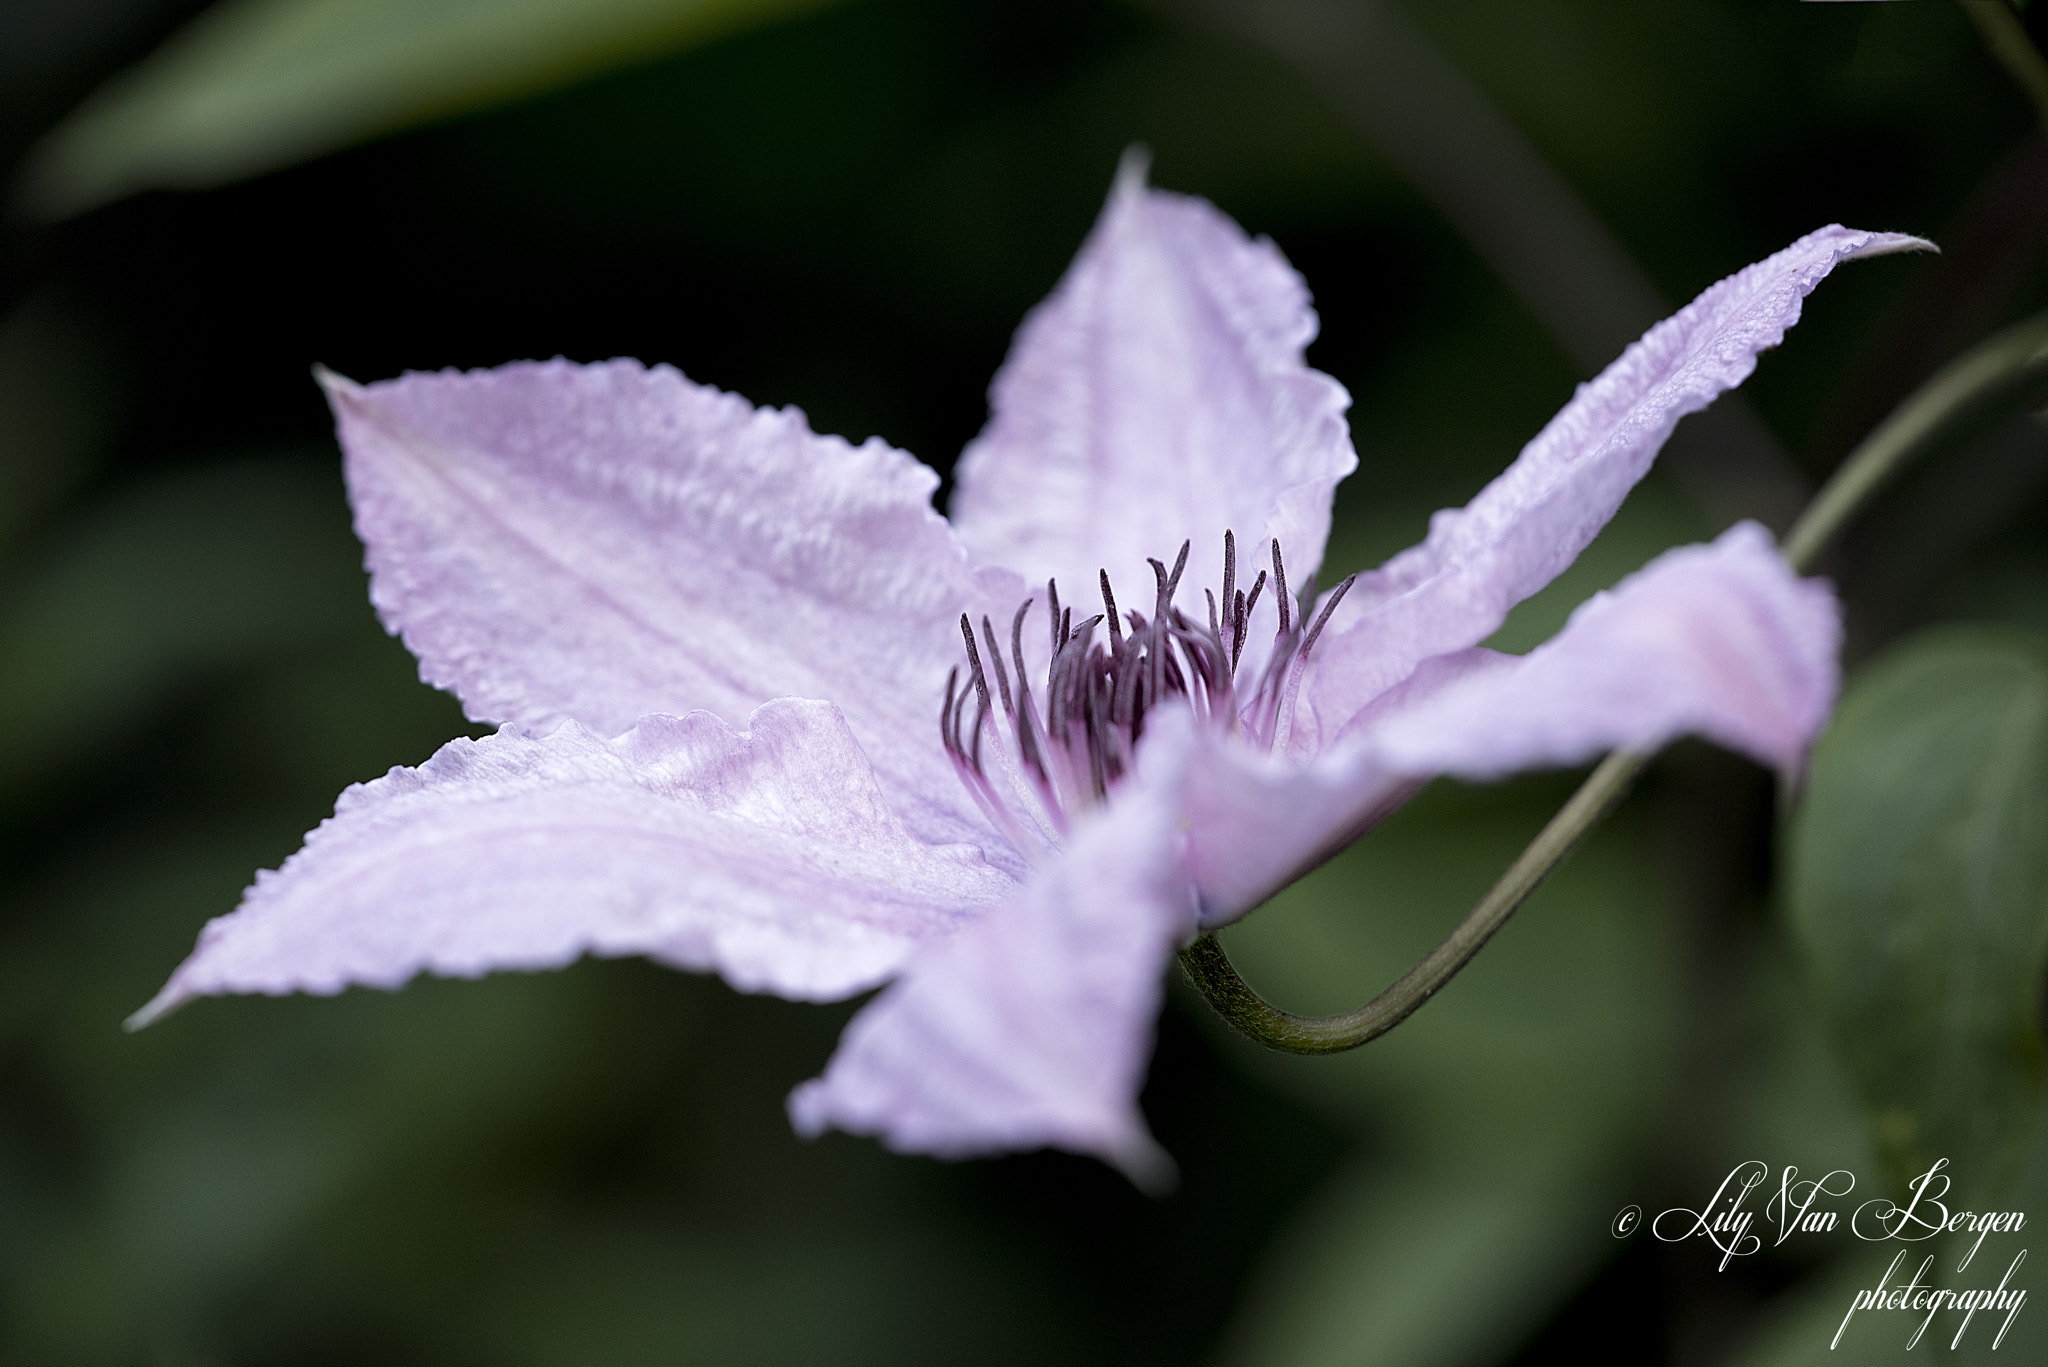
column 2001, row 366
column 2008, row 366
column 1235, row 1001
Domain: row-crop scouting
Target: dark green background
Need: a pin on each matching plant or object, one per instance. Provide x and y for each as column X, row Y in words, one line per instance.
column 850, row 212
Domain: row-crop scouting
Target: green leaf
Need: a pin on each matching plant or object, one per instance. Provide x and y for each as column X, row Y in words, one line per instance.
column 1798, row 1327
column 57, row 407
column 1657, row 516
column 254, row 85
column 1562, row 1025
column 1429, row 1264
column 1919, row 895
column 1501, row 1119
column 179, row 579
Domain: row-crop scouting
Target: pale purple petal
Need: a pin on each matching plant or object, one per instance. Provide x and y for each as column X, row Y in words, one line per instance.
column 769, row 856
column 1032, row 1026
column 603, row 542
column 1158, row 395
column 1256, row 821
column 1455, row 589
column 1722, row 641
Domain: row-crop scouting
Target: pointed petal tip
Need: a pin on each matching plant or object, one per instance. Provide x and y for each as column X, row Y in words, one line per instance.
column 806, row 1105
column 159, row 1006
column 1891, row 244
column 1150, row 1168
column 1854, row 244
column 334, row 382
column 1172, row 350
column 1133, row 172
column 1127, row 1146
column 1521, row 531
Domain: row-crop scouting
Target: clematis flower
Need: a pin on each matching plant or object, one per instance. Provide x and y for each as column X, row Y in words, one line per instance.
column 766, row 713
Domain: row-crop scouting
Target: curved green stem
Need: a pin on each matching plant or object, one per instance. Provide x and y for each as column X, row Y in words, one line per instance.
column 1235, row 1001
column 2013, row 360
column 2006, row 365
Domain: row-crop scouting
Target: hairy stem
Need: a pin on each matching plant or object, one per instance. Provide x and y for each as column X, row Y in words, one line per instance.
column 2004, row 371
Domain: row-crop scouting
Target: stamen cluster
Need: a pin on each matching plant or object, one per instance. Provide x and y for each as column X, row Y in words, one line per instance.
column 1068, row 754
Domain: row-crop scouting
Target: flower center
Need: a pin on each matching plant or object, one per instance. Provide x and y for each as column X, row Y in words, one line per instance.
column 1068, row 754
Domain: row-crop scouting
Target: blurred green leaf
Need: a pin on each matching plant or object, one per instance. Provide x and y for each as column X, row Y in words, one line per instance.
column 1800, row 1328
column 1506, row 1110
column 1656, row 517
column 1431, row 1264
column 647, row 1293
column 1800, row 1325
column 584, row 1166
column 253, row 85
column 188, row 575
column 1561, row 1026
column 1776, row 1085
column 57, row 403
column 1919, row 894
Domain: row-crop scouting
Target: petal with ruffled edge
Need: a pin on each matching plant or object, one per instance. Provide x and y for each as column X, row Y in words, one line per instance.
column 602, row 542
column 1032, row 1026
column 1455, row 589
column 769, row 856
column 1158, row 395
column 1722, row 641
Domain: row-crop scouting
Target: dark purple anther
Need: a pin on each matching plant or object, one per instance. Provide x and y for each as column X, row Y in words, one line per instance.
column 1123, row 700
column 946, row 711
column 1336, row 597
column 1229, row 570
column 1280, row 590
column 995, row 657
column 1027, row 715
column 980, row 716
column 1017, row 646
column 974, row 671
column 1098, row 769
column 1116, row 635
column 1079, row 637
column 958, row 746
column 1098, row 697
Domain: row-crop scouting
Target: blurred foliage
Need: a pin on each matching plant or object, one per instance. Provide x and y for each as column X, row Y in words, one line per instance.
column 257, row 84
column 850, row 208
column 1514, row 1115
column 1918, row 888
column 176, row 581
column 56, row 413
